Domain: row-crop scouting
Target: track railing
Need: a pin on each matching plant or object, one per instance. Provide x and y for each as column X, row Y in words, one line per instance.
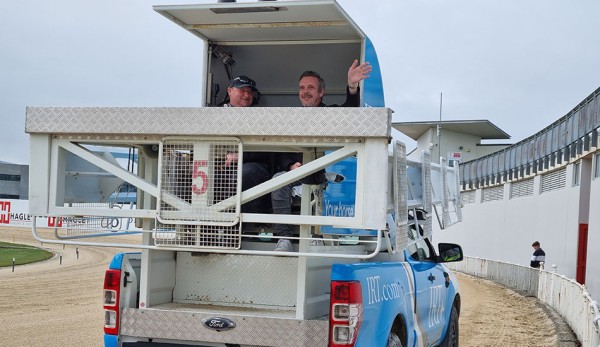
column 569, row 298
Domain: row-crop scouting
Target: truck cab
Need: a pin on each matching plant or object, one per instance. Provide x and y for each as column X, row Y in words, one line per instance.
column 205, row 273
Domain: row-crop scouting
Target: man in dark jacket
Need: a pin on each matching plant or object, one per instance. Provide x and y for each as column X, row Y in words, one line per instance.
column 257, row 167
column 539, row 256
column 311, row 93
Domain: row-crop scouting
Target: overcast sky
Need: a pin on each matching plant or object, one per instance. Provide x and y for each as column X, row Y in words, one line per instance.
column 521, row 64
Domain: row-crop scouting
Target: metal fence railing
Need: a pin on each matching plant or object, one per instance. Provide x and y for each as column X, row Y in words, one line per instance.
column 569, row 298
column 574, row 303
column 571, row 136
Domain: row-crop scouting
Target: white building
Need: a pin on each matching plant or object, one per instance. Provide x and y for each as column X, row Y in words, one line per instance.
column 544, row 188
column 456, row 140
column 14, row 181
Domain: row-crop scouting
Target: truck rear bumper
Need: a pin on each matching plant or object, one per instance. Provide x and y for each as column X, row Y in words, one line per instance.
column 254, row 330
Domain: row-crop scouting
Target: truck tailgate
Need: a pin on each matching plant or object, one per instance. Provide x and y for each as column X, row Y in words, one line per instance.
column 259, row 327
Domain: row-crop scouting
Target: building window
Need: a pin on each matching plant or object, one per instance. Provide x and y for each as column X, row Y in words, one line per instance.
column 4, row 177
column 8, row 196
column 597, row 166
column 576, row 173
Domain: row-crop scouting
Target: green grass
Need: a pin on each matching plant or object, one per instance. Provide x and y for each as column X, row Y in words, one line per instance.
column 23, row 254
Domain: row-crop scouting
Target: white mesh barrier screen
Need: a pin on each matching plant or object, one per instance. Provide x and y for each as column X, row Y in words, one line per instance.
column 201, row 236
column 199, row 182
column 199, row 193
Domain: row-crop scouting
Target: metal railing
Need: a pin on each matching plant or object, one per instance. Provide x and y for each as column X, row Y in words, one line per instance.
column 569, row 298
column 567, row 138
column 574, row 303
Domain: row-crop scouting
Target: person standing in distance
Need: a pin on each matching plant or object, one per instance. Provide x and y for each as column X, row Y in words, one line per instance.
column 539, row 256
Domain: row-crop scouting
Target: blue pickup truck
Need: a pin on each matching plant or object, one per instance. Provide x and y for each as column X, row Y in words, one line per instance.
column 361, row 269
column 411, row 302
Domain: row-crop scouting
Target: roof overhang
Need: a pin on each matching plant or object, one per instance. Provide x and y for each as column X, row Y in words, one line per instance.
column 484, row 129
column 264, row 21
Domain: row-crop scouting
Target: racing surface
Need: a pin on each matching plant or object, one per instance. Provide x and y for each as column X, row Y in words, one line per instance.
column 493, row 315
column 48, row 304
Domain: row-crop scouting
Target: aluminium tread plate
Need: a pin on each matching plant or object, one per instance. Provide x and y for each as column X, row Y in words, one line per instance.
column 227, row 310
column 338, row 122
column 251, row 329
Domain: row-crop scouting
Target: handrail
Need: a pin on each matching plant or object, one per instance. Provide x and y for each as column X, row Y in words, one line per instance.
column 570, row 136
column 542, row 284
column 62, row 241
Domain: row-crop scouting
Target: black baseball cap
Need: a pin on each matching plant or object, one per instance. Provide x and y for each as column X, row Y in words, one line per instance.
column 243, row 81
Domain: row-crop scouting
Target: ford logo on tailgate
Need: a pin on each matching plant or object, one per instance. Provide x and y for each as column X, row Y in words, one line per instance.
column 219, row 324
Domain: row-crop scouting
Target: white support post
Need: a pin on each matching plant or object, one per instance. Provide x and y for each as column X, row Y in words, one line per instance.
column 150, row 168
column 371, row 184
column 39, row 163
column 303, row 261
column 305, row 232
column 58, row 163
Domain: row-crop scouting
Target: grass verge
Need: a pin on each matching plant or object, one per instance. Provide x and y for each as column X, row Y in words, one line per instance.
column 23, row 254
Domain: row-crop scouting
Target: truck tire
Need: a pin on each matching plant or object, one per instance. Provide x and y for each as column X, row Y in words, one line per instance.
column 394, row 340
column 451, row 338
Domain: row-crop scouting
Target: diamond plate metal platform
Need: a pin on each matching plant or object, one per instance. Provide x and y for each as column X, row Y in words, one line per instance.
column 252, row 328
column 256, row 121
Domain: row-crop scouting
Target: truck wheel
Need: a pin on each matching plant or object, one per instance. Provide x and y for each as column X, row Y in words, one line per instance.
column 394, row 340
column 451, row 338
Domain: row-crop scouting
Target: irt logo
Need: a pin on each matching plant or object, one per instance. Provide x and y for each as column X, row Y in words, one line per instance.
column 4, row 212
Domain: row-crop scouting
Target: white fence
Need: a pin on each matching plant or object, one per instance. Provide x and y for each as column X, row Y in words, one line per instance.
column 569, row 298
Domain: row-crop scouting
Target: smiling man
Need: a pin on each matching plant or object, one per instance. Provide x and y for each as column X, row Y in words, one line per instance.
column 311, row 92
column 312, row 86
column 241, row 92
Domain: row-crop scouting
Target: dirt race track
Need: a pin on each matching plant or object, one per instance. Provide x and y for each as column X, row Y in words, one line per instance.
column 48, row 304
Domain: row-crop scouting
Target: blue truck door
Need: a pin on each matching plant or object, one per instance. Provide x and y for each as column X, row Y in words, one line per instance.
column 430, row 290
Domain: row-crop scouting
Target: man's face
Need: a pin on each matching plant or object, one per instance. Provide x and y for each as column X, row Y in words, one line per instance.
column 240, row 97
column 310, row 93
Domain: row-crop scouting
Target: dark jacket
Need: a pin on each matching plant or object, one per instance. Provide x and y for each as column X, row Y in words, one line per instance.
column 286, row 160
column 538, row 256
column 352, row 100
column 259, row 157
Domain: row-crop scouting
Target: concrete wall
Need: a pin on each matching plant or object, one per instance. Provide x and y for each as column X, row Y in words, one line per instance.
column 423, row 143
column 504, row 229
column 483, row 150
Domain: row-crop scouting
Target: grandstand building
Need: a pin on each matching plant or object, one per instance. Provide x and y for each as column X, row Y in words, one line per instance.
column 14, row 181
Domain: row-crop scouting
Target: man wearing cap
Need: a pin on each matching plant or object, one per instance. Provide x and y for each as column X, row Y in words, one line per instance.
column 257, row 165
column 311, row 92
column 241, row 92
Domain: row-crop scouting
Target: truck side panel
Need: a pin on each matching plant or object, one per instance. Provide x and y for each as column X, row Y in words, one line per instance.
column 388, row 294
column 432, row 291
